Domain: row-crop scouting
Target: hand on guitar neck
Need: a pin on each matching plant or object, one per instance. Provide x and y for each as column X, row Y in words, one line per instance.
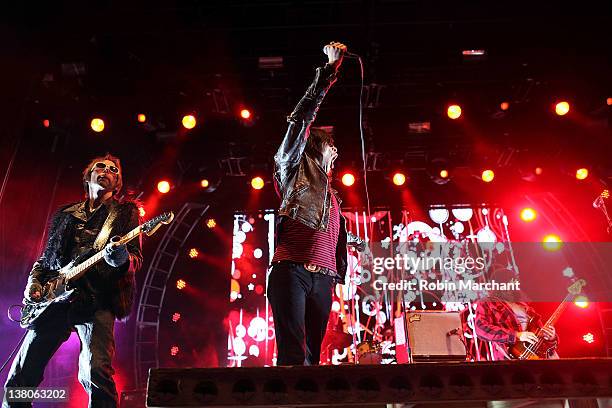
column 548, row 334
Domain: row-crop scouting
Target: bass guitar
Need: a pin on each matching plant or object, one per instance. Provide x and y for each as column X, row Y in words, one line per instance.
column 541, row 349
column 58, row 289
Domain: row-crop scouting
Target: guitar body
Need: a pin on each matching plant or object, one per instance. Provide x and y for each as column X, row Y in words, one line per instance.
column 521, row 351
column 55, row 292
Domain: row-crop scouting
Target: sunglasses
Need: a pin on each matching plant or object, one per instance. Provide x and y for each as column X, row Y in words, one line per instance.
column 100, row 165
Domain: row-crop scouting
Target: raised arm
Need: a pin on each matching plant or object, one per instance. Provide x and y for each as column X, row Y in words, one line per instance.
column 292, row 147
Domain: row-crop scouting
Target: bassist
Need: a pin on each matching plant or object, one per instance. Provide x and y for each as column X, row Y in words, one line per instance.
column 103, row 295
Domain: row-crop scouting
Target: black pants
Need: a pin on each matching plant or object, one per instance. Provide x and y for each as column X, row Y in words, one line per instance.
column 97, row 349
column 301, row 301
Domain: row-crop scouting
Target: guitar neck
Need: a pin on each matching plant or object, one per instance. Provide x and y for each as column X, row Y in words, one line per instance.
column 558, row 311
column 78, row 270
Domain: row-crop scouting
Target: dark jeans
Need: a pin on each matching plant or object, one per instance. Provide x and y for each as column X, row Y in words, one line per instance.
column 301, row 301
column 97, row 350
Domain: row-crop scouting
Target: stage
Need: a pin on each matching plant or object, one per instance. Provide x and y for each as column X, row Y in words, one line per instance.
column 431, row 383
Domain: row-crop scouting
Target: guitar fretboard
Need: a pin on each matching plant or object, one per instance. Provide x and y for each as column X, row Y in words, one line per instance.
column 78, row 270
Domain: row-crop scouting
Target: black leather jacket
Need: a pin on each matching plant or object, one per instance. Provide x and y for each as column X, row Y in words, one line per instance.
column 299, row 176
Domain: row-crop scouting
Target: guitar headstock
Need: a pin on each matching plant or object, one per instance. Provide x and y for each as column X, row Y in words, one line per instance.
column 153, row 224
column 576, row 287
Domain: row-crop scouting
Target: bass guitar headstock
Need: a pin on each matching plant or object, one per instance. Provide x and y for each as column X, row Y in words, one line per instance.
column 576, row 287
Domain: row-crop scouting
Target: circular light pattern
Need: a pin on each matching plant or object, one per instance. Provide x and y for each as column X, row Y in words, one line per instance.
column 257, row 253
column 257, row 183
column 245, row 114
column 463, row 214
column 581, row 301
column 46, row 123
column 163, row 186
column 485, row 235
column 97, row 125
column 562, row 108
column 241, row 331
column 552, row 242
column 443, row 173
column 528, row 214
column 239, row 237
column 487, row 175
column 348, row 179
column 399, row 179
column 246, row 227
column 582, row 173
column 254, row 350
column 204, row 183
column 174, row 350
column 589, row 338
column 504, row 106
column 335, row 306
column 454, row 111
column 239, row 346
column 568, row 272
column 439, row 215
column 457, row 227
column 181, row 284
column 237, row 250
column 538, row 171
column 189, row 121
column 142, row 118
column 609, row 101
column 211, row 223
column 141, row 211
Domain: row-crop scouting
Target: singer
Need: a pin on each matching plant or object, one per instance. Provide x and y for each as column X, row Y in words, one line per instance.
column 311, row 242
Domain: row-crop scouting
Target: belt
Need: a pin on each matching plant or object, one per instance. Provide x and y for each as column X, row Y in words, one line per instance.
column 319, row 269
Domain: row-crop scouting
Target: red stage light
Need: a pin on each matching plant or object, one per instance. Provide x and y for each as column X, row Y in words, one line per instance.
column 538, row 171
column 609, row 101
column 528, row 214
column 562, row 108
column 97, row 125
column 348, row 179
column 454, row 111
column 141, row 211
column 174, row 350
column 189, row 121
column 257, row 183
column 582, row 173
column 581, row 301
column 443, row 173
column 245, row 114
column 487, row 176
column 552, row 242
column 142, row 118
column 211, row 223
column 181, row 284
column 399, row 179
column 589, row 338
column 204, row 183
column 193, row 253
column 176, row 317
column 504, row 106
column 46, row 123
column 163, row 186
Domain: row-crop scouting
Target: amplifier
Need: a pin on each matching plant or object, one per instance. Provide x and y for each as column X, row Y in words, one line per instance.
column 435, row 335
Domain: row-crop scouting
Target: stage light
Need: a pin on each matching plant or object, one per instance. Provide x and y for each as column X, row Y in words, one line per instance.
column 141, row 211
column 204, row 183
column 163, row 186
column 609, row 101
column 581, row 301
column 487, row 176
column 211, row 223
column 589, row 338
column 552, row 242
column 473, row 53
column 174, row 350
column 582, row 173
column 399, row 179
column 562, row 108
column 443, row 173
column 348, row 179
column 189, row 121
column 528, row 214
column 454, row 111
column 504, row 106
column 538, row 171
column 257, row 183
column 245, row 114
column 97, row 125
column 176, row 317
column 142, row 118
column 193, row 253
column 181, row 284
column 46, row 123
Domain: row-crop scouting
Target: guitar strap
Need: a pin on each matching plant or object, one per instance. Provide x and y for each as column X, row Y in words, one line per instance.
column 105, row 231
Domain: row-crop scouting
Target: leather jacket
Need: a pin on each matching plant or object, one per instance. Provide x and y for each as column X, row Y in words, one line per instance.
column 299, row 177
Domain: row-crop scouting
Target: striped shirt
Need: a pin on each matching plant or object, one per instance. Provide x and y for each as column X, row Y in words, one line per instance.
column 302, row 244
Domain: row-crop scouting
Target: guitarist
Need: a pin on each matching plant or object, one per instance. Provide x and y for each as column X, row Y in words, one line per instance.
column 504, row 322
column 103, row 294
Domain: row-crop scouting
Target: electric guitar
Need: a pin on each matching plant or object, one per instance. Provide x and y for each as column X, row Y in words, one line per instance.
column 59, row 288
column 541, row 349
